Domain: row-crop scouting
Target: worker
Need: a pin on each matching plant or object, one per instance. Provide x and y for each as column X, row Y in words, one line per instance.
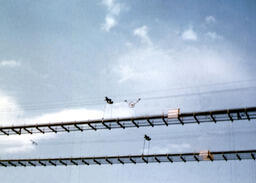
column 147, row 138
column 109, row 100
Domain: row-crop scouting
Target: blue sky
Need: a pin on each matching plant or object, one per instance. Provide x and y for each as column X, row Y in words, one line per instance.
column 59, row 59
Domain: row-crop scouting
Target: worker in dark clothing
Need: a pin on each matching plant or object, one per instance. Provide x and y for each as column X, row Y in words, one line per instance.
column 109, row 100
column 147, row 138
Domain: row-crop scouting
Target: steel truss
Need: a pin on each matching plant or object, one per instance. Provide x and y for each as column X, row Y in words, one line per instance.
column 141, row 121
column 132, row 159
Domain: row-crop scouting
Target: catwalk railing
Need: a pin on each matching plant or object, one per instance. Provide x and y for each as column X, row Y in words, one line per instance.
column 133, row 159
column 141, row 121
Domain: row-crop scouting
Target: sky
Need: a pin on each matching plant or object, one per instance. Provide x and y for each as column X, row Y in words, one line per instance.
column 59, row 59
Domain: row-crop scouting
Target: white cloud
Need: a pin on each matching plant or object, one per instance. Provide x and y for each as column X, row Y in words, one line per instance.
column 113, row 7
column 113, row 12
column 108, row 3
column 213, row 35
column 9, row 109
column 128, row 44
column 80, row 114
column 11, row 114
column 9, row 63
column 126, row 73
column 185, row 64
column 142, row 33
column 139, row 64
column 110, row 22
column 189, row 34
column 210, row 19
column 17, row 144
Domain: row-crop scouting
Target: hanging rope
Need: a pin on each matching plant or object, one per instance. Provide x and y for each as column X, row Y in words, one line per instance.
column 104, row 110
column 148, row 139
column 143, row 146
column 110, row 102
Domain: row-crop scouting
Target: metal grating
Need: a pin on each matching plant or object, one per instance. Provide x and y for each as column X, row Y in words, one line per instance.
column 141, row 121
column 132, row 159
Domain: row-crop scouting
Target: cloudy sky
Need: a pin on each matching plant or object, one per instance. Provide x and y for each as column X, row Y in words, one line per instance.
column 59, row 59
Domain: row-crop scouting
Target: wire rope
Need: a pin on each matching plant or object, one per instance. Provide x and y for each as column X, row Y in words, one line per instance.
column 98, row 100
